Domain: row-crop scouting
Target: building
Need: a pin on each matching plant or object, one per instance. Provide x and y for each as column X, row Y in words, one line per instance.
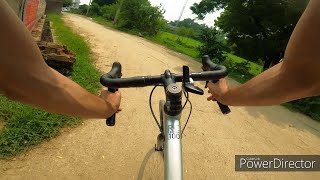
column 54, row 6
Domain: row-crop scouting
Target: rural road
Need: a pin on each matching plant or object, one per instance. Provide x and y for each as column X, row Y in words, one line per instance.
column 95, row 151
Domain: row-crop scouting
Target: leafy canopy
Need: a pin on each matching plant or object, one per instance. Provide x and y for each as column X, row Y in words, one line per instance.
column 255, row 29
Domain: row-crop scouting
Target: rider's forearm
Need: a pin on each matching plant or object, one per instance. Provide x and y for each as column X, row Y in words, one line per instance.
column 25, row 77
column 272, row 87
column 56, row 93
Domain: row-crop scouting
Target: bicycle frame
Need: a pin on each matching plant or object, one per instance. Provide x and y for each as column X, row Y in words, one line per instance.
column 172, row 147
column 169, row 139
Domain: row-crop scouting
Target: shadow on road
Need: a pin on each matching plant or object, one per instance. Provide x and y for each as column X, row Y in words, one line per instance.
column 145, row 161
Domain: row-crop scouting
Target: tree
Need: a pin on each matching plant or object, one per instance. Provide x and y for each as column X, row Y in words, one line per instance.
column 67, row 3
column 256, row 29
column 94, row 10
column 83, row 9
column 109, row 11
column 104, row 2
column 140, row 15
column 188, row 23
column 213, row 44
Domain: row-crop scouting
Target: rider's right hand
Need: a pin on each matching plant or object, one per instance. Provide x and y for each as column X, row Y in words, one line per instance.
column 218, row 90
column 113, row 101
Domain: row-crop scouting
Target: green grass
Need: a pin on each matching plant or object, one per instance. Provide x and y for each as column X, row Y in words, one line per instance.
column 180, row 44
column 103, row 21
column 254, row 69
column 27, row 126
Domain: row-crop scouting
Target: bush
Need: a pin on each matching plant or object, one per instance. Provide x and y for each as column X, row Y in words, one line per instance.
column 82, row 10
column 109, row 11
column 94, row 10
column 212, row 45
column 240, row 71
column 141, row 16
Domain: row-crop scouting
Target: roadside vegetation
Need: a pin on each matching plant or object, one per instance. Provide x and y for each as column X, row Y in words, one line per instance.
column 24, row 125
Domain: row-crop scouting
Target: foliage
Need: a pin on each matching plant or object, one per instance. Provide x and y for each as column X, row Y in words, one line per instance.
column 257, row 29
column 94, row 10
column 136, row 16
column 240, row 71
column 67, row 3
column 82, row 10
column 104, row 2
column 212, row 45
column 27, row 126
column 187, row 23
column 184, row 31
column 109, row 11
column 102, row 21
column 141, row 16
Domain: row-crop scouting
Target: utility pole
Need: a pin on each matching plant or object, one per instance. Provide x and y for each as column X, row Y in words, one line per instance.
column 184, row 6
column 88, row 8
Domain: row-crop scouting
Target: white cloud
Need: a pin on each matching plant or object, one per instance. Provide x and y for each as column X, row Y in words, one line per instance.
column 173, row 9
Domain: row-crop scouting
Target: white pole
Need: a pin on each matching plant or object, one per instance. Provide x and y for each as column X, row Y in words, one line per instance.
column 184, row 6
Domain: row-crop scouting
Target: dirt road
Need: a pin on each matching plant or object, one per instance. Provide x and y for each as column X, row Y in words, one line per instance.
column 95, row 151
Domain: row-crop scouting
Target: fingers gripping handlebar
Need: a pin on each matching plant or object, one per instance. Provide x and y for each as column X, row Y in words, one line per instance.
column 208, row 65
column 115, row 73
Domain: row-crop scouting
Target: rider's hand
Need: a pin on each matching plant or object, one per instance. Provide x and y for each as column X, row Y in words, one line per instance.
column 112, row 99
column 218, row 90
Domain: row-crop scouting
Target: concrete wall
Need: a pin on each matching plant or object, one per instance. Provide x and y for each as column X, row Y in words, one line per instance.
column 54, row 6
column 29, row 11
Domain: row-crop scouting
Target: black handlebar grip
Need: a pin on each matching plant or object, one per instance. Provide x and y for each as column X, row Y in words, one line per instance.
column 111, row 121
column 114, row 73
column 208, row 65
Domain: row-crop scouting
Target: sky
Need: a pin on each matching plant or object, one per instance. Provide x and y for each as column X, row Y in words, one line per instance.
column 173, row 9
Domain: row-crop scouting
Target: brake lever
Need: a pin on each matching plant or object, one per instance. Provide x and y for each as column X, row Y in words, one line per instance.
column 188, row 85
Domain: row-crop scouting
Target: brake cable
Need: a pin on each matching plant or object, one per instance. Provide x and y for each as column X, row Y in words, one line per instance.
column 150, row 105
column 186, row 95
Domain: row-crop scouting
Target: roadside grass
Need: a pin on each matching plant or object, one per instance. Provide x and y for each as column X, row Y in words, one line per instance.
column 186, row 41
column 103, row 21
column 26, row 126
column 178, row 43
column 254, row 69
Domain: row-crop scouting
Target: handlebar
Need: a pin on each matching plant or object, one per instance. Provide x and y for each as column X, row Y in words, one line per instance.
column 112, row 80
column 115, row 73
column 208, row 65
column 142, row 81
